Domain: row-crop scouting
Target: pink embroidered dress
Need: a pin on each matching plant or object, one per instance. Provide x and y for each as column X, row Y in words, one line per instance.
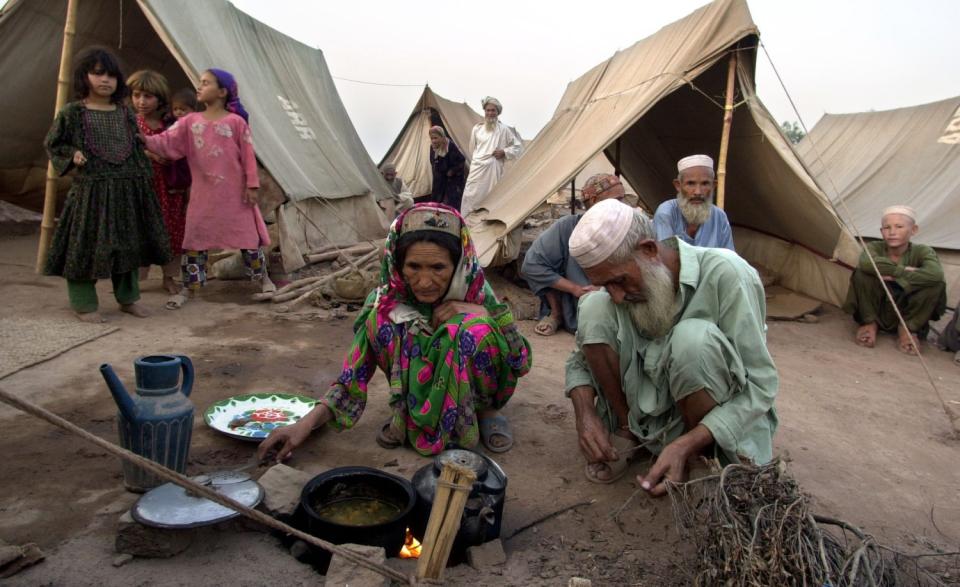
column 223, row 165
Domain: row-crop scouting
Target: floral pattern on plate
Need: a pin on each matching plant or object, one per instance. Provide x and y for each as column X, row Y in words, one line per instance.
column 253, row 416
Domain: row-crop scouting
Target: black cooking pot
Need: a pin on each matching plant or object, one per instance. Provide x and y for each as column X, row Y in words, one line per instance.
column 345, row 483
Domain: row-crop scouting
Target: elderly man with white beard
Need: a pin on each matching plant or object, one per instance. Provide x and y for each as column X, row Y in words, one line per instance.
column 491, row 144
column 671, row 356
column 691, row 216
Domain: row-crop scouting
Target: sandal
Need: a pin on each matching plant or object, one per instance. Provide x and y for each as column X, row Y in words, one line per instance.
column 176, row 301
column 385, row 440
column 496, row 426
column 547, row 326
column 618, row 467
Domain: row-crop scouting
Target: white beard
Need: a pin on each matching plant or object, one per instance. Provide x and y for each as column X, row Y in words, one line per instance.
column 489, row 124
column 695, row 214
column 654, row 318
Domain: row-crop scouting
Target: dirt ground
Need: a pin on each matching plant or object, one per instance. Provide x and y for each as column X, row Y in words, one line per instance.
column 861, row 430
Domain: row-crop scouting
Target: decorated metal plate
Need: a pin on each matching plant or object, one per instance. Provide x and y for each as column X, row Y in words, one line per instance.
column 254, row 416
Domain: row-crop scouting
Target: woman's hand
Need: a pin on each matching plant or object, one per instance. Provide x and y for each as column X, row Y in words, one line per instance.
column 281, row 442
column 79, row 159
column 251, row 197
column 449, row 309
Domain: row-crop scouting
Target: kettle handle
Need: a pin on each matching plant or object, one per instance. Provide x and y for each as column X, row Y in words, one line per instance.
column 186, row 365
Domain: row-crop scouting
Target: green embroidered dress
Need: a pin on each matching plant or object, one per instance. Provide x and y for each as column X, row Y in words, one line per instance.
column 111, row 221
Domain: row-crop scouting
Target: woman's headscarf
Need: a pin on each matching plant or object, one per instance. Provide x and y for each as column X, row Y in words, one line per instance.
column 232, row 102
column 445, row 145
column 395, row 301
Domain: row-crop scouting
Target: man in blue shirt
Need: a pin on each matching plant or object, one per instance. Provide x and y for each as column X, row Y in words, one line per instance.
column 692, row 217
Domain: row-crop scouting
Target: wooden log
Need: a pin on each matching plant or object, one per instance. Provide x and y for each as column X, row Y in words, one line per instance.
column 305, row 292
column 47, row 225
column 725, row 135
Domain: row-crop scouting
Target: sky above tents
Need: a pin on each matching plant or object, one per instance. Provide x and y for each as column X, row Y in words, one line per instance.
column 834, row 56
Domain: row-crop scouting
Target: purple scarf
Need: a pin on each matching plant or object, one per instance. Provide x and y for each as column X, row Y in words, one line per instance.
column 232, row 102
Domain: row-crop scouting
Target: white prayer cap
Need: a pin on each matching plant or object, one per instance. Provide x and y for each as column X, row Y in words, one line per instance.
column 694, row 161
column 600, row 232
column 899, row 209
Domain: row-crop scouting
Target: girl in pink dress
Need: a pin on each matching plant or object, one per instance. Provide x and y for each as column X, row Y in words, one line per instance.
column 223, row 212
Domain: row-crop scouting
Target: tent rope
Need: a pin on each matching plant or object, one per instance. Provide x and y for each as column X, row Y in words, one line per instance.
column 203, row 490
column 952, row 415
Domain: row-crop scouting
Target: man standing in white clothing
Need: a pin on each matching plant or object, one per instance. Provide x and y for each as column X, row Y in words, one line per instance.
column 491, row 144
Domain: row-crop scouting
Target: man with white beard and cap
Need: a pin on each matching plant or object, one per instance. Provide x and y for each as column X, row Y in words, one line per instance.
column 491, row 144
column 671, row 355
column 691, row 216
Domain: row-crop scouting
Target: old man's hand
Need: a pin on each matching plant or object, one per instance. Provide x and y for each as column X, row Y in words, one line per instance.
column 498, row 154
column 595, row 440
column 671, row 464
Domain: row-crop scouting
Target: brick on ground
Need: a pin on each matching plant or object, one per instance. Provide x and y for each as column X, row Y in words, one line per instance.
column 281, row 489
column 346, row 573
column 487, row 555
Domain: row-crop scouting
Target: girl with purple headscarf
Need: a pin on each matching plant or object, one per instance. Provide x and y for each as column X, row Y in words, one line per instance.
column 223, row 212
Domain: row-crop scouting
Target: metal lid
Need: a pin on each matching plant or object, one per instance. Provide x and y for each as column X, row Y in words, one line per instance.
column 463, row 458
column 170, row 506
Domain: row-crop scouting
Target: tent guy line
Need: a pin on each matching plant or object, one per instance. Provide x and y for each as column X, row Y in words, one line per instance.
column 951, row 414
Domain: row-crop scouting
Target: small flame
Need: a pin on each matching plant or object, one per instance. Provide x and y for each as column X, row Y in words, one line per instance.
column 411, row 546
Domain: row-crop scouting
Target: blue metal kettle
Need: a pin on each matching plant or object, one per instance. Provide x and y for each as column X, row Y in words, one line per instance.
column 156, row 422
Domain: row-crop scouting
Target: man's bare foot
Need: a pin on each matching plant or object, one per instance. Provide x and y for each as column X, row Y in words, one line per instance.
column 170, row 285
column 907, row 342
column 867, row 335
column 91, row 317
column 134, row 309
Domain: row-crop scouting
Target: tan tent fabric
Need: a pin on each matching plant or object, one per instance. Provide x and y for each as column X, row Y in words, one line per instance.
column 655, row 99
column 410, row 152
column 871, row 160
column 301, row 130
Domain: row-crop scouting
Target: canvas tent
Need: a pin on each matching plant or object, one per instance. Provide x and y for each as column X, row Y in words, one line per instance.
column 302, row 134
column 870, row 160
column 410, row 151
column 655, row 102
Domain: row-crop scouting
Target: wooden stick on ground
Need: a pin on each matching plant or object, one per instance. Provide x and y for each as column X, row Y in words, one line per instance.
column 195, row 488
column 453, row 489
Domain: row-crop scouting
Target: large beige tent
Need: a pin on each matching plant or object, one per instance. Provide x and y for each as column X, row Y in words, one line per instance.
column 662, row 99
column 303, row 136
column 410, row 151
column 870, row 160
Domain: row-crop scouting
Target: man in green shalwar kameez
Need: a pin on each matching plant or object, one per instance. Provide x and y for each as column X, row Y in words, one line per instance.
column 672, row 355
column 913, row 274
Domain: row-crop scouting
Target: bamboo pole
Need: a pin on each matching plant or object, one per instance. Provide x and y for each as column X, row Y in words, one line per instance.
column 725, row 136
column 63, row 86
column 450, row 497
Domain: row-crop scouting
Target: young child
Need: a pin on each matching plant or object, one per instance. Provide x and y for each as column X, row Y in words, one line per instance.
column 150, row 96
column 183, row 102
column 223, row 212
column 111, row 222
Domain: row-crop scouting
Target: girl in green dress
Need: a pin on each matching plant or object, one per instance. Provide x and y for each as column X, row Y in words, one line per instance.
column 111, row 222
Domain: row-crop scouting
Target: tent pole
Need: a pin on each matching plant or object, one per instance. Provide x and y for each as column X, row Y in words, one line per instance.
column 616, row 164
column 63, row 86
column 725, row 136
column 573, row 195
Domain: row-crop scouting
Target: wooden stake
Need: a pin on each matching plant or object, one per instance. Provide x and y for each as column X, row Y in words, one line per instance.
column 63, row 87
column 453, row 489
column 727, row 123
